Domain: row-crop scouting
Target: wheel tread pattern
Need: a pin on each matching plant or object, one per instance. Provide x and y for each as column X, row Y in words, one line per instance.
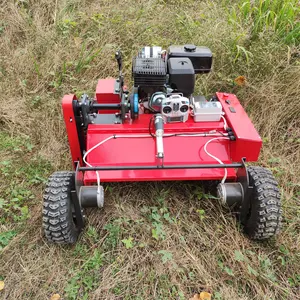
column 58, row 223
column 266, row 215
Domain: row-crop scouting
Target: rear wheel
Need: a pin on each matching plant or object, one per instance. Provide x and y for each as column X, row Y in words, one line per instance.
column 264, row 217
column 59, row 221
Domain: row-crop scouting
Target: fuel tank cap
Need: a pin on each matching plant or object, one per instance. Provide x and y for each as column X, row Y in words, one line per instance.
column 190, row 47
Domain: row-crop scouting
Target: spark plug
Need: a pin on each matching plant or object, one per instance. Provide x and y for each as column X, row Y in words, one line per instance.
column 159, row 132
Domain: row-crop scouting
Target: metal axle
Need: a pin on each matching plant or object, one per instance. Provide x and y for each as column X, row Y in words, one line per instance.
column 163, row 167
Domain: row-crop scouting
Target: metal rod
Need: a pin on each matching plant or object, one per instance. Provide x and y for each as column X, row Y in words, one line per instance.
column 106, row 106
column 170, row 167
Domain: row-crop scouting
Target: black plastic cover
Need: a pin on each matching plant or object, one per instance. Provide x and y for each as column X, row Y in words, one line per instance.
column 149, row 72
column 201, row 57
column 181, row 75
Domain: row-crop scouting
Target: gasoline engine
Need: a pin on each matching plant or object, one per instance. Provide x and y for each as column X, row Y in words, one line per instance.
column 164, row 81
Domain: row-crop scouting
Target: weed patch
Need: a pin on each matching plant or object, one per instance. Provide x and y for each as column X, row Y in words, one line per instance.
column 86, row 279
column 269, row 18
column 5, row 238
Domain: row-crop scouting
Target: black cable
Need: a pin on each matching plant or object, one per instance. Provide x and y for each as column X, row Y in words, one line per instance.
column 221, row 133
column 179, row 134
column 150, row 124
column 195, row 134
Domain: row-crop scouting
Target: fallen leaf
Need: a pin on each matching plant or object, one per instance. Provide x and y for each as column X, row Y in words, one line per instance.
column 2, row 285
column 196, row 297
column 240, row 80
column 55, row 297
column 77, row 41
column 205, row 296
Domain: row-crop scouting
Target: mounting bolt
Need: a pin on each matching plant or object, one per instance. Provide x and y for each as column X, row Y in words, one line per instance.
column 71, row 120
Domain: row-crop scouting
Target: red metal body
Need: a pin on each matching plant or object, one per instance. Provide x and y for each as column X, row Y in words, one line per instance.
column 179, row 150
column 248, row 141
column 73, row 134
column 106, row 93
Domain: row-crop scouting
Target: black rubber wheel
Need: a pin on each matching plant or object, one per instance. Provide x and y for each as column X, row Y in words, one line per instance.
column 58, row 212
column 264, row 217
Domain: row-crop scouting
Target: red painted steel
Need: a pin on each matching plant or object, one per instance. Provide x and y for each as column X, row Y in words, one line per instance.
column 178, row 150
column 158, row 175
column 248, row 142
column 141, row 151
column 141, row 125
column 105, row 93
column 68, row 113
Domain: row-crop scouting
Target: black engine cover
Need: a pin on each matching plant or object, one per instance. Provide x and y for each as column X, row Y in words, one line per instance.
column 149, row 72
column 201, row 57
column 181, row 75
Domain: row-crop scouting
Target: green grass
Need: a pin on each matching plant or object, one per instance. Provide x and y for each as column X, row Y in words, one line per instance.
column 273, row 18
column 85, row 279
column 21, row 173
column 5, row 237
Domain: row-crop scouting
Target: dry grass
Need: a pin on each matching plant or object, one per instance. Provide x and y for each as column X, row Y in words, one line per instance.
column 49, row 48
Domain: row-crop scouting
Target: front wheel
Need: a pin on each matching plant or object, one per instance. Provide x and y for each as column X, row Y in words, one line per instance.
column 59, row 222
column 263, row 220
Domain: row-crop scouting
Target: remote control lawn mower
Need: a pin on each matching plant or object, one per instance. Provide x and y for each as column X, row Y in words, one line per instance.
column 160, row 131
